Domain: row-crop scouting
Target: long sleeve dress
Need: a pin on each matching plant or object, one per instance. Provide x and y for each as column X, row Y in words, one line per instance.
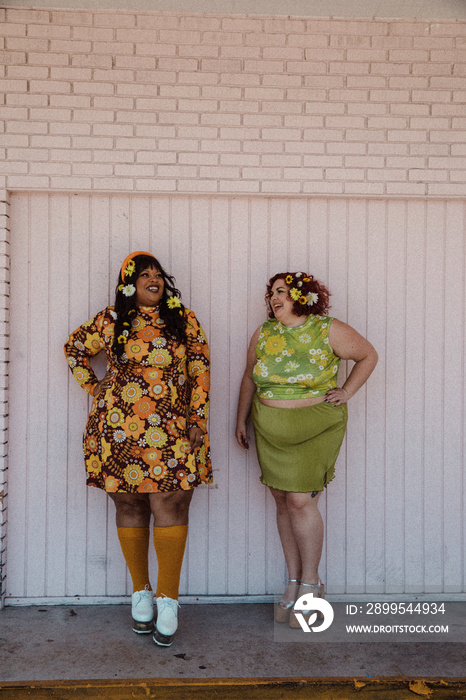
column 136, row 436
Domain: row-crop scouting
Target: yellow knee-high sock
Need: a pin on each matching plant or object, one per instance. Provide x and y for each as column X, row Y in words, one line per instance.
column 169, row 543
column 134, row 542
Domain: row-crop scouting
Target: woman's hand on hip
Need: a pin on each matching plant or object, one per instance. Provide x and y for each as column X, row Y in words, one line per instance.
column 337, row 397
column 195, row 436
column 104, row 384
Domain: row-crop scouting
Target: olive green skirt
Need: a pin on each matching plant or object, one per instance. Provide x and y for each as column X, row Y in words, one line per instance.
column 297, row 447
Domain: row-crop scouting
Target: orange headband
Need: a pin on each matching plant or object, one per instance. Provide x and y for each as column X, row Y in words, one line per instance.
column 129, row 257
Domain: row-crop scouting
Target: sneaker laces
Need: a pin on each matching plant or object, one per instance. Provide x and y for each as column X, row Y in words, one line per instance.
column 146, row 593
column 142, row 596
column 169, row 602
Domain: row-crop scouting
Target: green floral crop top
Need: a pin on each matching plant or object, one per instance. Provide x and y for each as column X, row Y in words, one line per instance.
column 295, row 363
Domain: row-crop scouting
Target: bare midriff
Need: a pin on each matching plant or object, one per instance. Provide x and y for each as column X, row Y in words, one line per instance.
column 292, row 403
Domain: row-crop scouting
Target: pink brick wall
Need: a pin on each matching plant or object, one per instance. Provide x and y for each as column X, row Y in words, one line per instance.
column 147, row 102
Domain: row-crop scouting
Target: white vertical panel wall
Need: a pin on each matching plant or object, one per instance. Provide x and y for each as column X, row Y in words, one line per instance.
column 395, row 514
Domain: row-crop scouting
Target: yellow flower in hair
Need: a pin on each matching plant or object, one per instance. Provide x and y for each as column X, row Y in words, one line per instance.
column 121, row 339
column 289, row 279
column 173, row 302
column 130, row 268
column 295, row 293
column 302, row 300
column 306, row 279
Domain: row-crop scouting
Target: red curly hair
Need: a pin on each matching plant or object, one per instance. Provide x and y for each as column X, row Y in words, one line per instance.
column 307, row 285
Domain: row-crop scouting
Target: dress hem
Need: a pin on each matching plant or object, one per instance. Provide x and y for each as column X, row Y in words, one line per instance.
column 278, row 488
column 202, row 483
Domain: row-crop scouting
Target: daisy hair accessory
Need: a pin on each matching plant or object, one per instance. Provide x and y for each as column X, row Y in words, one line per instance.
column 129, row 266
column 309, row 295
column 297, row 279
column 128, row 290
column 299, row 284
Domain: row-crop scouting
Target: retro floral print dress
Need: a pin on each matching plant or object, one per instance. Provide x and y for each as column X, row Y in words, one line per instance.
column 136, row 437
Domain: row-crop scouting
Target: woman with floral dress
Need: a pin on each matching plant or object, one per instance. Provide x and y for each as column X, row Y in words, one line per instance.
column 299, row 416
column 145, row 441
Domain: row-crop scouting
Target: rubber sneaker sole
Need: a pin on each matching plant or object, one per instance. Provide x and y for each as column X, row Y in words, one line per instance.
column 143, row 627
column 162, row 640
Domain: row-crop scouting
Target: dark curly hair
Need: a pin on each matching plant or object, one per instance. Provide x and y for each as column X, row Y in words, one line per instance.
column 304, row 284
column 126, row 307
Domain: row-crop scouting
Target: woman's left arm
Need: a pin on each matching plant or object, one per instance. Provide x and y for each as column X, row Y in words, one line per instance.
column 198, row 365
column 348, row 344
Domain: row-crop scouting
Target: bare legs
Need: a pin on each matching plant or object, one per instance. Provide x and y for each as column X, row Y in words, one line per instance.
column 168, row 509
column 301, row 531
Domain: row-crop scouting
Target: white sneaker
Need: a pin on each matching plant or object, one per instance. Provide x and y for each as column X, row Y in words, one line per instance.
column 142, row 611
column 167, row 620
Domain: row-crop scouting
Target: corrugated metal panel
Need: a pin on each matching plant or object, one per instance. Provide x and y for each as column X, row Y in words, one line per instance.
column 395, row 512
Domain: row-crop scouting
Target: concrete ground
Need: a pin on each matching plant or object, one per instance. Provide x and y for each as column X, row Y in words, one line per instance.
column 214, row 641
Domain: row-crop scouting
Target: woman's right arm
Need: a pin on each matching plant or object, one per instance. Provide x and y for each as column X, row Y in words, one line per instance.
column 85, row 342
column 246, row 394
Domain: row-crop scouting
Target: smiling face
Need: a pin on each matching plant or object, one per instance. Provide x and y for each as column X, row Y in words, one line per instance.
column 149, row 287
column 282, row 305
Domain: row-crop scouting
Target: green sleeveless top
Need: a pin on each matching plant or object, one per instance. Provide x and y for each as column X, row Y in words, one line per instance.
column 295, row 363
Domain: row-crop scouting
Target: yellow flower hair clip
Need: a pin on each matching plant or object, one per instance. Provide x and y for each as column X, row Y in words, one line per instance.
column 173, row 302
column 130, row 268
column 129, row 260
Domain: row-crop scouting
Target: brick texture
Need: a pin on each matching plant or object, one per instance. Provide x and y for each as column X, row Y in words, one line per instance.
column 140, row 101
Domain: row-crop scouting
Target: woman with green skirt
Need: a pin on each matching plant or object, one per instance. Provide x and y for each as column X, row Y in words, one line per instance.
column 299, row 416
